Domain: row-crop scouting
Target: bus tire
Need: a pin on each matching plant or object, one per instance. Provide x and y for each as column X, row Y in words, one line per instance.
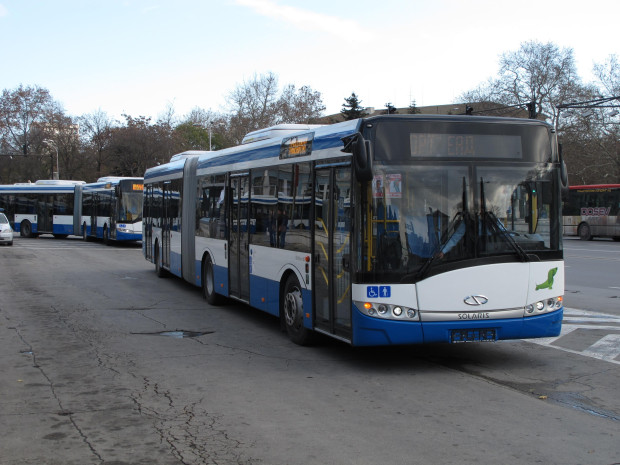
column 208, row 283
column 616, row 238
column 25, row 229
column 584, row 232
column 159, row 271
column 293, row 312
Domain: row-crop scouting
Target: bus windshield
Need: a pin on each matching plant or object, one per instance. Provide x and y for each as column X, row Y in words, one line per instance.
column 130, row 207
column 420, row 216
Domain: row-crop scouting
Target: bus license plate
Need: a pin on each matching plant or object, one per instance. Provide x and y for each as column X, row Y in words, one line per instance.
column 473, row 335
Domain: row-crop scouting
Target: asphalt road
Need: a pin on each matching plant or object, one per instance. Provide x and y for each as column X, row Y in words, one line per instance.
column 592, row 274
column 94, row 371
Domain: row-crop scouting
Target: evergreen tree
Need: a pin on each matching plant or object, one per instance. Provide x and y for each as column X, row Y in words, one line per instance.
column 413, row 109
column 352, row 108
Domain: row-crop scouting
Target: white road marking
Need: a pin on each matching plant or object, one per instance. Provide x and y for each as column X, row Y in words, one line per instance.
column 606, row 348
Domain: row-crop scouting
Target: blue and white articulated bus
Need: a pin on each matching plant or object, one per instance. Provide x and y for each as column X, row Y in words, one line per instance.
column 395, row 229
column 42, row 207
column 110, row 209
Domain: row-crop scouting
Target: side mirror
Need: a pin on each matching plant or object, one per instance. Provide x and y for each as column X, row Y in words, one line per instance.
column 563, row 169
column 362, row 158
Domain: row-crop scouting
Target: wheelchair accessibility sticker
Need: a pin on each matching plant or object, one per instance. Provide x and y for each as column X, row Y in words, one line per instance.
column 372, row 292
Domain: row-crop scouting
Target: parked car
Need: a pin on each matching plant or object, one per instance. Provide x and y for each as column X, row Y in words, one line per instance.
column 6, row 232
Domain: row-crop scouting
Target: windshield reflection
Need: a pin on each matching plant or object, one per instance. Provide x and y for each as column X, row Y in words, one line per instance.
column 421, row 216
column 130, row 207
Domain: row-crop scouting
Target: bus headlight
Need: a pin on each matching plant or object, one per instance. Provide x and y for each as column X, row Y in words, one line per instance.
column 544, row 306
column 387, row 311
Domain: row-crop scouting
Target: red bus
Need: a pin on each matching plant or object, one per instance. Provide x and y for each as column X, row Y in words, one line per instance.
column 592, row 211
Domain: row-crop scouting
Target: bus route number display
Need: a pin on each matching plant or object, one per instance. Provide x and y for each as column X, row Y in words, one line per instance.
column 296, row 146
column 435, row 145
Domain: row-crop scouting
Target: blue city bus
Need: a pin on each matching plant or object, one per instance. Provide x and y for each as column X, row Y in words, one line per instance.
column 42, row 207
column 110, row 209
column 394, row 229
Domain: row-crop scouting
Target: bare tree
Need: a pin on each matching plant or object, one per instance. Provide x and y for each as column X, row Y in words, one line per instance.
column 542, row 74
column 96, row 133
column 27, row 118
column 299, row 106
column 608, row 75
column 258, row 104
column 253, row 103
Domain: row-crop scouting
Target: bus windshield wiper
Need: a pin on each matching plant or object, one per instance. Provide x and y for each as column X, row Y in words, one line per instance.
column 494, row 223
column 440, row 245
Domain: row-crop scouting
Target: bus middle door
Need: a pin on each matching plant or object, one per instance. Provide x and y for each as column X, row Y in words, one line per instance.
column 332, row 244
column 147, row 221
column 45, row 223
column 239, row 242
column 94, row 213
column 166, row 226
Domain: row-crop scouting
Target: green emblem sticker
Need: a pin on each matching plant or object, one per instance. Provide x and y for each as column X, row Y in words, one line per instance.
column 548, row 284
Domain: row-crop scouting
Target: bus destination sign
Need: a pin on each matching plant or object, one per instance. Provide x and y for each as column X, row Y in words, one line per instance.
column 137, row 187
column 296, row 146
column 435, row 145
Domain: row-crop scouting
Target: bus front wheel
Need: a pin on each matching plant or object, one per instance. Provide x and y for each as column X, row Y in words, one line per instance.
column 584, row 232
column 293, row 307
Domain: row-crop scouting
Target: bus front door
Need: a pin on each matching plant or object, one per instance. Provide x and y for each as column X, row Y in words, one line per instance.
column 332, row 236
column 239, row 245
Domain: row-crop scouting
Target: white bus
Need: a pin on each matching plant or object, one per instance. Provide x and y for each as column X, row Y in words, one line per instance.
column 42, row 207
column 395, row 229
column 110, row 209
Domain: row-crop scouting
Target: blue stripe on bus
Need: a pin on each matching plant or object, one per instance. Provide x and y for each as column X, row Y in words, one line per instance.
column 374, row 331
column 370, row 331
column 62, row 228
column 546, row 325
column 123, row 236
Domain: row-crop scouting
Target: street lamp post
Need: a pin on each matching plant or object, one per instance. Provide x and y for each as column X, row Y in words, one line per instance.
column 51, row 143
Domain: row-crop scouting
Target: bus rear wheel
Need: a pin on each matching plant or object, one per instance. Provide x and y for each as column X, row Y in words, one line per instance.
column 159, row 271
column 584, row 232
column 293, row 308
column 208, row 283
column 25, row 229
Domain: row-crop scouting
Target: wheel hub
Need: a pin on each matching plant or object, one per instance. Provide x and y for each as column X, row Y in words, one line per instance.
column 293, row 308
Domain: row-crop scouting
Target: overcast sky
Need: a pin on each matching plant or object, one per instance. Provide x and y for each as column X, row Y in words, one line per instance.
column 140, row 56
